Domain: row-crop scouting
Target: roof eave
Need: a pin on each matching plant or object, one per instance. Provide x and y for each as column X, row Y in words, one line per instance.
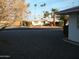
column 70, row 11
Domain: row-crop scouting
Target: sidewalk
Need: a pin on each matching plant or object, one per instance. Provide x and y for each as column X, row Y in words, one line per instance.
column 45, row 27
column 70, row 41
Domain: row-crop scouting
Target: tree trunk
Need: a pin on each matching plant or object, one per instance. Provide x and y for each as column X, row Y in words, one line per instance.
column 54, row 20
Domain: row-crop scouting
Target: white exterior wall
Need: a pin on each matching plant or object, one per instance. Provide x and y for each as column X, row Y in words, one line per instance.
column 73, row 30
column 37, row 23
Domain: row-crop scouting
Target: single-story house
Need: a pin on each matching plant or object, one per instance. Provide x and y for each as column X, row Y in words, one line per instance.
column 35, row 23
column 40, row 22
column 73, row 29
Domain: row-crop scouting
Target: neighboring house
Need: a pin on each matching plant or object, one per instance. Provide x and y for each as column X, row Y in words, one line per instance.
column 73, row 30
column 38, row 22
column 35, row 23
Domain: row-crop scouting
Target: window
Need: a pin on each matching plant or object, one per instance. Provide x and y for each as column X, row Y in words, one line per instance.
column 78, row 21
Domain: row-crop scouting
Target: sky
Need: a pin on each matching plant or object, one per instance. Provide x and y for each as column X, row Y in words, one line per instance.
column 37, row 12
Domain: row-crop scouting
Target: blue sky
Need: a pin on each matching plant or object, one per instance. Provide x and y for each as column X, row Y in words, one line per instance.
column 59, row 4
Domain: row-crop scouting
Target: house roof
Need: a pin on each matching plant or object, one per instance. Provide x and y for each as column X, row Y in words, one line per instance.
column 70, row 10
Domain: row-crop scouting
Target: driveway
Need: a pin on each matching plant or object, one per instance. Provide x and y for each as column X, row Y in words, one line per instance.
column 36, row 44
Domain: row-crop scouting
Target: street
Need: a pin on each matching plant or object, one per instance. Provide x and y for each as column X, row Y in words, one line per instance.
column 36, row 44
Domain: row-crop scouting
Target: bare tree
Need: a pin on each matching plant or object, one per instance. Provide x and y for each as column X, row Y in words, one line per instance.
column 12, row 10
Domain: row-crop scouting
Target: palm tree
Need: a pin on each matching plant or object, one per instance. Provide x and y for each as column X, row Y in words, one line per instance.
column 28, row 5
column 35, row 5
column 43, row 5
column 46, row 14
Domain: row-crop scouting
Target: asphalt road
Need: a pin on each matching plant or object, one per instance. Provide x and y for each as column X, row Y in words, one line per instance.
column 36, row 44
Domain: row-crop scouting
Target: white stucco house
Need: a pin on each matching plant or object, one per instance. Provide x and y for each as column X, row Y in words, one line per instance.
column 34, row 23
column 73, row 30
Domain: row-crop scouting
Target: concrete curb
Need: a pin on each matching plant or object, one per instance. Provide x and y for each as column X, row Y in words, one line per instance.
column 70, row 41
